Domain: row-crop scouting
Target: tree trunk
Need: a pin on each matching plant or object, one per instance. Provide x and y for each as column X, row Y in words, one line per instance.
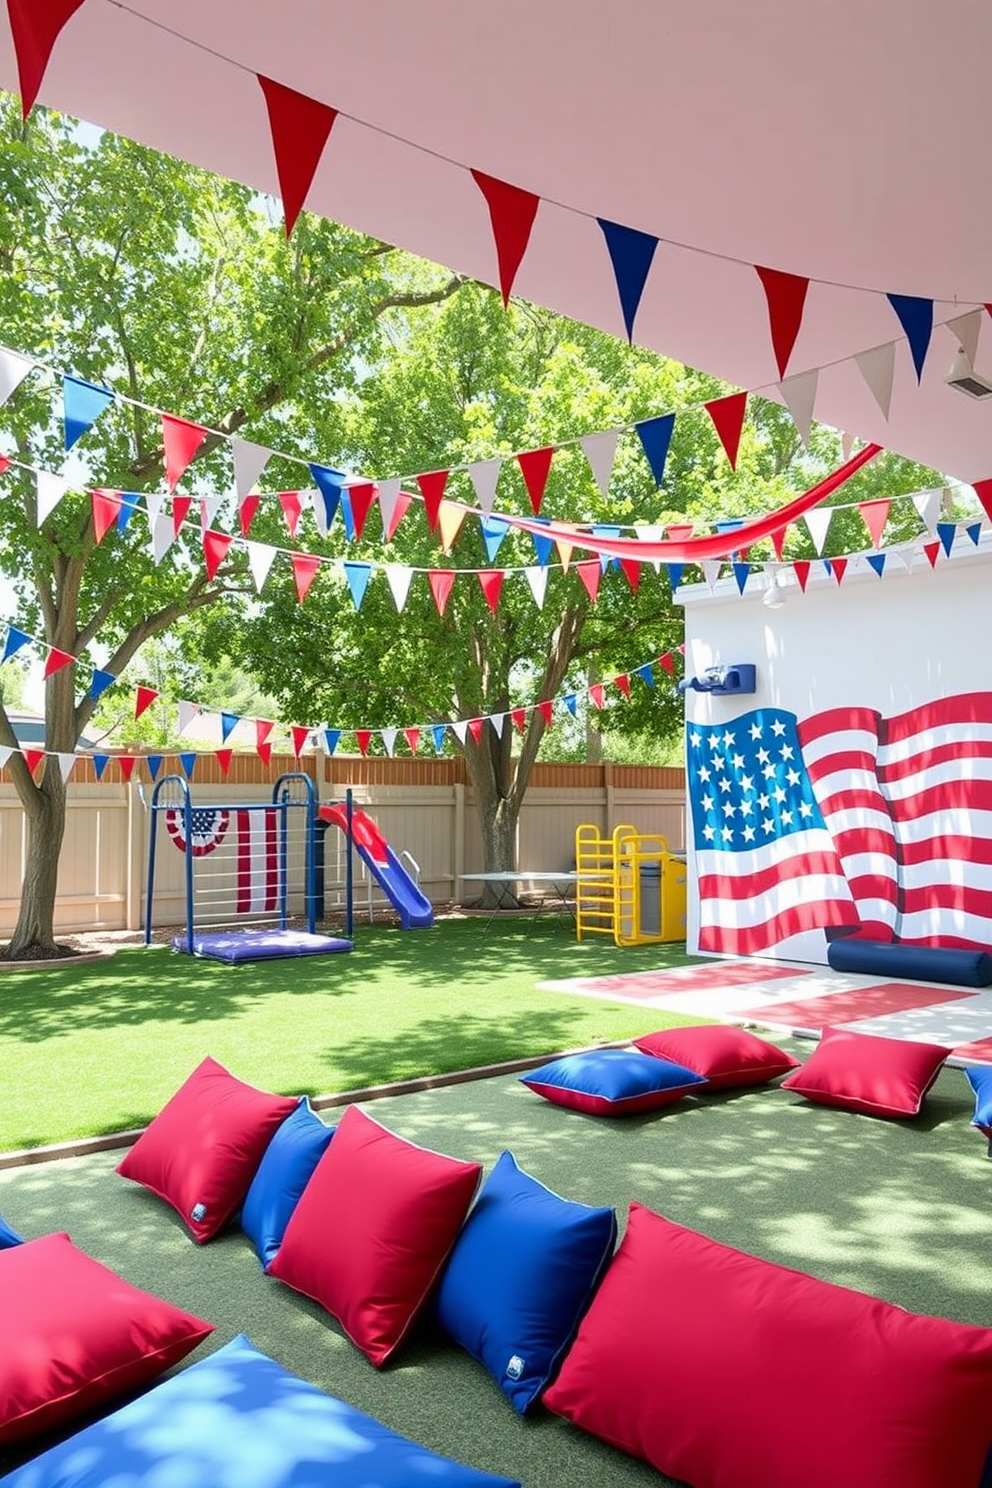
column 46, row 826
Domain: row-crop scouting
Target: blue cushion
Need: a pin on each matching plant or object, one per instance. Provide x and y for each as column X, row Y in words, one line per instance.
column 961, row 968
column 612, row 1082
column 238, row 1418
column 980, row 1079
column 521, row 1275
column 8, row 1237
column 284, row 1172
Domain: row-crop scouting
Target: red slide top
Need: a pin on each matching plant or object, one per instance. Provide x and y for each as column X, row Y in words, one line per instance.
column 363, row 829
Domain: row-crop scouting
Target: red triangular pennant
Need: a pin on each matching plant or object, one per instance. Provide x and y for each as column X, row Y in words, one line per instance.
column 932, row 549
column 106, row 506
column 983, row 490
column 180, row 508
column 34, row 28
column 246, row 512
column 432, row 489
column 215, row 546
column 441, row 581
column 875, row 514
column 180, row 441
column 511, row 212
column 33, row 758
column 4, row 464
column 668, row 662
column 596, row 692
column 839, row 567
column 264, row 752
column 224, row 758
column 291, row 509
column 299, row 127
column 728, row 420
column 360, row 499
column 305, row 566
column 778, row 540
column 801, row 569
column 56, row 660
column 126, row 764
column 300, row 734
column 544, row 708
column 144, row 698
column 535, row 466
column 491, row 580
column 475, row 728
column 622, row 684
column 678, row 531
column 786, row 296
column 518, row 717
column 632, row 570
column 263, row 728
column 364, row 737
column 400, row 508
column 590, row 571
column 412, row 737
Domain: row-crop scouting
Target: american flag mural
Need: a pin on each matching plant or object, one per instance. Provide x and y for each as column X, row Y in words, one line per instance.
column 846, row 821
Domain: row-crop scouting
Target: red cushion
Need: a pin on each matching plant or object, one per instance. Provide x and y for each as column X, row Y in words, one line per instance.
column 373, row 1229
column 73, row 1335
column 726, row 1371
column 204, row 1146
column 728, row 1057
column 864, row 1072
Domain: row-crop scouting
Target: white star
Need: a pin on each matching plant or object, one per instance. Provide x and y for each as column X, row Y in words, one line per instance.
column 755, row 731
column 747, row 783
column 768, row 826
column 746, row 808
column 729, row 809
column 703, row 773
column 792, row 776
column 719, row 763
column 695, row 739
column 786, row 751
column 708, row 803
column 728, row 834
column 778, row 794
column 769, row 772
column 787, row 818
column 805, row 810
column 709, row 832
column 737, row 761
column 714, row 741
column 725, row 784
column 763, row 802
column 778, row 728
column 748, row 833
column 728, row 738
column 763, row 756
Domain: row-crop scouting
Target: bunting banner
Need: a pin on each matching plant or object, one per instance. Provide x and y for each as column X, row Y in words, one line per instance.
column 82, row 404
column 631, row 254
column 785, row 295
column 915, row 315
column 180, row 441
column 511, row 214
column 300, row 128
column 35, row 26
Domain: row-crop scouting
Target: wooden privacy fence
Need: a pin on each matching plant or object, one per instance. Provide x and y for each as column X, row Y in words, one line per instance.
column 424, row 807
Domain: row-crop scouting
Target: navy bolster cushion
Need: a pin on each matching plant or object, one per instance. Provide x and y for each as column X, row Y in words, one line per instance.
column 726, row 1371
column 522, row 1273
column 961, row 968
column 239, row 1420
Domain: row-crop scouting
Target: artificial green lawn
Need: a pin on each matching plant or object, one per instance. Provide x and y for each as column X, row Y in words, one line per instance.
column 100, row 1047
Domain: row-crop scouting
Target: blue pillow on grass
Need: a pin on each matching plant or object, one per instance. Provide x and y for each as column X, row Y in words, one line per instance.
column 284, row 1172
column 521, row 1275
column 8, row 1237
column 612, row 1082
column 236, row 1418
column 979, row 1077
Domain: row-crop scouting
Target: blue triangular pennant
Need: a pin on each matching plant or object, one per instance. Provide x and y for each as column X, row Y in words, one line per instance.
column 188, row 762
column 741, row 572
column 15, row 640
column 154, row 763
column 916, row 318
column 543, row 546
column 100, row 682
column 348, row 516
column 129, row 500
column 358, row 575
column 631, row 253
column 601, row 530
column 828, row 566
column 438, row 731
column 877, row 562
column 675, row 572
column 493, row 530
column 947, row 531
column 571, row 703
column 330, row 484
column 656, row 435
column 100, row 764
column 228, row 723
column 83, row 403
column 646, row 673
column 331, row 737
column 974, row 531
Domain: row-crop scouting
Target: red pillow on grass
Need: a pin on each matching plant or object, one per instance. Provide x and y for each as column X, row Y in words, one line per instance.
column 726, row 1371
column 373, row 1229
column 728, row 1057
column 867, row 1073
column 203, row 1148
column 73, row 1334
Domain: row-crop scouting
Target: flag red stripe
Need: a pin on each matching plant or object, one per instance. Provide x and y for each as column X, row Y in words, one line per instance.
column 752, row 939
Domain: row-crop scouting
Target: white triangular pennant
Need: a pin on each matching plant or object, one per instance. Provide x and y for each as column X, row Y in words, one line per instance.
column 648, row 532
column 485, row 474
column 818, row 521
column 876, row 367
column 153, row 506
column 496, row 719
column 600, row 450
column 249, row 462
column 209, row 507
column 66, row 764
column 398, row 578
column 187, row 713
column 967, row 329
column 318, row 505
column 389, row 740
column 13, row 369
column 927, row 504
column 460, row 728
column 163, row 536
column 711, row 571
column 537, row 578
column 799, row 393
column 389, row 493
column 51, row 488
column 261, row 557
